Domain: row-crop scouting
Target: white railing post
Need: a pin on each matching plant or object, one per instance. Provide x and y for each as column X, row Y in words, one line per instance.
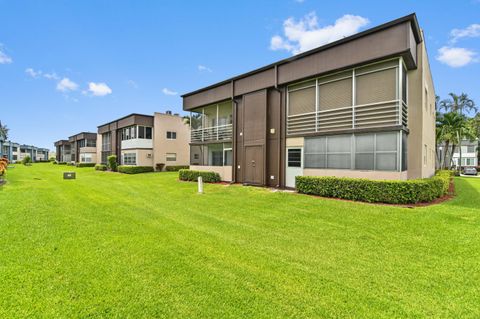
column 200, row 185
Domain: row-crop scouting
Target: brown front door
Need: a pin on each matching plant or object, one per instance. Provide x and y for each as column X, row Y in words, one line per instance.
column 254, row 165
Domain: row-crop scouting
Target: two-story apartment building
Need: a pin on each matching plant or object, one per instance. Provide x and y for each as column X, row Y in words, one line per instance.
column 63, row 151
column 362, row 106
column 145, row 140
column 16, row 152
column 83, row 147
column 470, row 150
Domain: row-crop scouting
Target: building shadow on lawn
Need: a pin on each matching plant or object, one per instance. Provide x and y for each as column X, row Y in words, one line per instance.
column 467, row 193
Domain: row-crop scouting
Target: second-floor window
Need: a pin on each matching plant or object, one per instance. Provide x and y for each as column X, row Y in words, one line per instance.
column 136, row 131
column 91, row 143
column 106, row 142
column 171, row 135
column 81, row 143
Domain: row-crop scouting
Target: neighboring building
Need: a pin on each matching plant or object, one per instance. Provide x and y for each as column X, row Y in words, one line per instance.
column 16, row 152
column 83, row 147
column 363, row 106
column 145, row 140
column 469, row 154
column 63, row 151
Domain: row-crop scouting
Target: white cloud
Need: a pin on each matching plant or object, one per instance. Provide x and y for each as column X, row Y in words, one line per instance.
column 306, row 34
column 456, row 57
column 33, row 73
column 66, row 85
column 472, row 31
column 51, row 76
column 99, row 89
column 204, row 68
column 4, row 58
column 169, row 92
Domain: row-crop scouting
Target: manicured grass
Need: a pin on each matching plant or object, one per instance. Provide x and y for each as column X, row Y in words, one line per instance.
column 112, row 245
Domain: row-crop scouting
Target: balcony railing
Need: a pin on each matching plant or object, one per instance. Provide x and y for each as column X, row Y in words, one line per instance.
column 214, row 133
column 382, row 114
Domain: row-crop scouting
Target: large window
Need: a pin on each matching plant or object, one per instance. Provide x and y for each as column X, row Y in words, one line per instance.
column 85, row 158
column 136, row 131
column 91, row 143
column 106, row 142
column 129, row 158
column 374, row 151
column 218, row 154
column 212, row 122
column 81, row 143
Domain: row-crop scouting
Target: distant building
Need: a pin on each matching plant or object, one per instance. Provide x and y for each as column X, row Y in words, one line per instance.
column 469, row 154
column 16, row 152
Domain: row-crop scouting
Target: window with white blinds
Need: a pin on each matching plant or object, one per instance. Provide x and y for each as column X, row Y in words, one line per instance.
column 301, row 101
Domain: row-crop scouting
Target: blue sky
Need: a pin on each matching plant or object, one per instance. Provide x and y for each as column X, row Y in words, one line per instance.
column 69, row 66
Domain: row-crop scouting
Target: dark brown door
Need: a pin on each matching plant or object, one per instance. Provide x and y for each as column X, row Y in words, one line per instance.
column 254, row 165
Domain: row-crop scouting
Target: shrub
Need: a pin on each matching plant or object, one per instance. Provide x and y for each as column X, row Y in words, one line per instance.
column 112, row 163
column 159, row 166
column 388, row 191
column 190, row 175
column 62, row 163
column 176, row 168
column 51, row 159
column 131, row 169
column 85, row 164
column 27, row 160
column 3, row 166
column 101, row 167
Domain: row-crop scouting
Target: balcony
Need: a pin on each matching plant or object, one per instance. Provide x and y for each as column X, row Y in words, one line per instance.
column 214, row 133
column 374, row 115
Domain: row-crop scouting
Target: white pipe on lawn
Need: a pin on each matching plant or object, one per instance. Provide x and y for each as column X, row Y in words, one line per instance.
column 200, row 185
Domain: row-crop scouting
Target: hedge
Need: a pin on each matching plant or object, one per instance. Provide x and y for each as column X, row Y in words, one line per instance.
column 131, row 169
column 381, row 191
column 112, row 162
column 176, row 168
column 100, row 167
column 190, row 175
column 85, row 164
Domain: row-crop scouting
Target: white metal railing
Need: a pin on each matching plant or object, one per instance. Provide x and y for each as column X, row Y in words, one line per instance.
column 214, row 133
column 380, row 114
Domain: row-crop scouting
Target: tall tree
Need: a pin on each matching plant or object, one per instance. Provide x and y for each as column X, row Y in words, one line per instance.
column 3, row 132
column 452, row 128
column 461, row 104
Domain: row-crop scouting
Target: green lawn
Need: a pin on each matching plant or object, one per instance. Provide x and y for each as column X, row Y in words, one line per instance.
column 112, row 245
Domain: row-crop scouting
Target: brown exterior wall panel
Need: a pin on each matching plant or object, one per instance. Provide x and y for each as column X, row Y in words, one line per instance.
column 255, row 82
column 212, row 95
column 389, row 42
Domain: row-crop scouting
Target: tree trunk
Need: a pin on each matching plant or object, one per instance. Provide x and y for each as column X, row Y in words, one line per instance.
column 451, row 156
column 445, row 155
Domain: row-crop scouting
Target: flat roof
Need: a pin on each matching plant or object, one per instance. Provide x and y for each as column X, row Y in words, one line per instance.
column 131, row 114
column 412, row 18
column 82, row 133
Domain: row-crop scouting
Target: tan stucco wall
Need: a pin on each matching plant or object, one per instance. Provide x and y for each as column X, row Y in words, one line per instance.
column 144, row 157
column 162, row 146
column 295, row 141
column 99, row 149
column 421, row 118
column 225, row 172
column 378, row 175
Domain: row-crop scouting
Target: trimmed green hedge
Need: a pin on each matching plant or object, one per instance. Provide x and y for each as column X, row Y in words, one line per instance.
column 100, row 167
column 131, row 169
column 189, row 175
column 85, row 164
column 176, row 168
column 372, row 191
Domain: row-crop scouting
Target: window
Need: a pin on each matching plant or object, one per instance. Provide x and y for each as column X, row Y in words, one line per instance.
column 212, row 154
column 227, row 157
column 171, row 157
column 91, row 143
column 106, row 142
column 86, row 158
column 141, row 132
column 14, row 157
column 376, row 86
column 129, row 133
column 81, row 143
column 171, row 135
column 335, row 91
column 294, row 157
column 148, row 133
column 14, row 149
column 374, row 151
column 196, row 156
column 471, row 149
column 404, row 84
column 129, row 158
column 301, row 98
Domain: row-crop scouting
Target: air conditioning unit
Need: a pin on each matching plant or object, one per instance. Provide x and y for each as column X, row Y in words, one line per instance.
column 149, row 155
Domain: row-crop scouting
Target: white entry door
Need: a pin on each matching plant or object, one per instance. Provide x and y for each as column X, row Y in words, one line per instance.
column 294, row 165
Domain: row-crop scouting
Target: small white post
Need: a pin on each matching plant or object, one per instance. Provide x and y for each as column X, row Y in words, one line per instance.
column 200, row 185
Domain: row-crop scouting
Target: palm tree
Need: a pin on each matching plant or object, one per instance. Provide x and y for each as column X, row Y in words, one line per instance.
column 3, row 132
column 458, row 103
column 452, row 127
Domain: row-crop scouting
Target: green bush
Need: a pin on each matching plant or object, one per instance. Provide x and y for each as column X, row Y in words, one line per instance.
column 85, row 164
column 189, row 175
column 112, row 162
column 62, row 163
column 131, row 169
column 176, row 168
column 27, row 160
column 101, row 167
column 365, row 190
